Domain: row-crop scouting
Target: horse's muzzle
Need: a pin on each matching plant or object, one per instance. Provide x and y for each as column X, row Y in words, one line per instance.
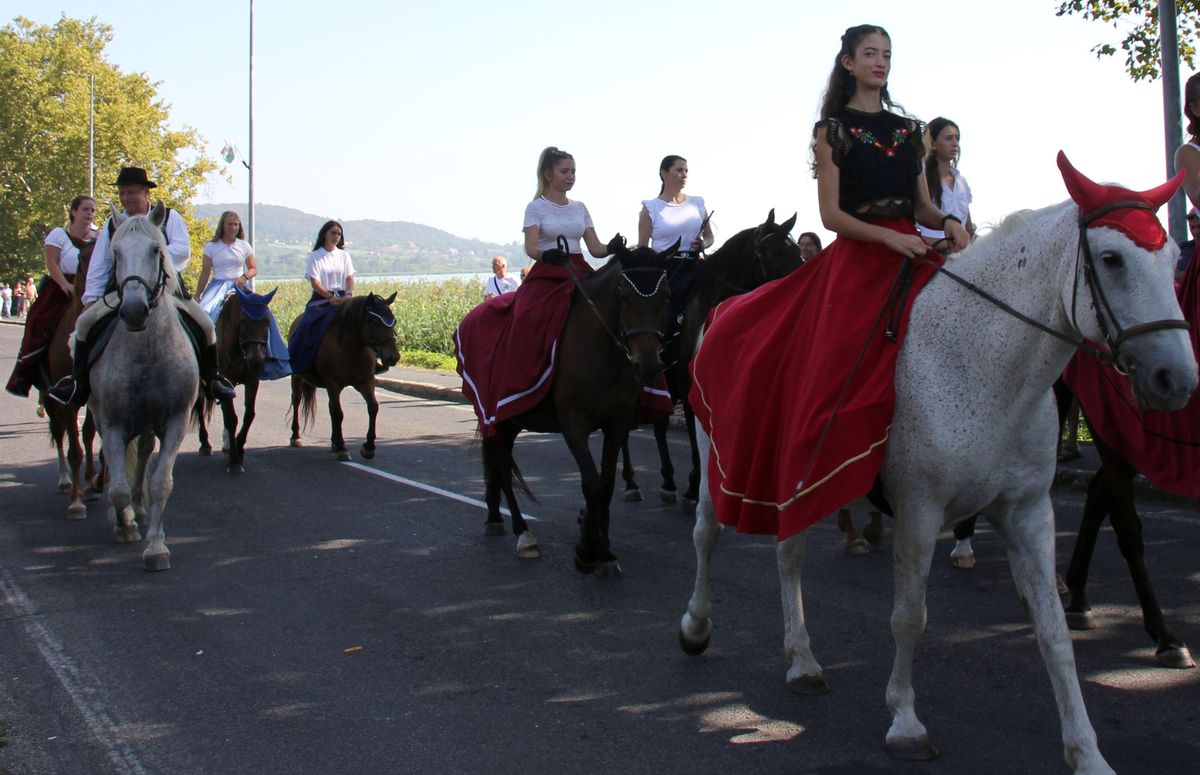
column 134, row 311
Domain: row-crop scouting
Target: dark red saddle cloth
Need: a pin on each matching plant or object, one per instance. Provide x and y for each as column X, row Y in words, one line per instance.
column 1164, row 446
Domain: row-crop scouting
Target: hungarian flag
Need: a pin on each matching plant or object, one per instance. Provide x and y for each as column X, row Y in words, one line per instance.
column 228, row 152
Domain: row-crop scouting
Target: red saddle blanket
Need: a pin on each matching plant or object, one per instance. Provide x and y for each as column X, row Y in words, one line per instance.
column 794, row 384
column 507, row 348
column 1164, row 446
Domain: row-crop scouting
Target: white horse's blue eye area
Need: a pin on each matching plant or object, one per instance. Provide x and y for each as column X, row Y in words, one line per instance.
column 1112, row 259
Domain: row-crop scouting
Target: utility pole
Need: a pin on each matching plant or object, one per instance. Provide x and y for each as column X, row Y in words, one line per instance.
column 250, row 207
column 1172, row 112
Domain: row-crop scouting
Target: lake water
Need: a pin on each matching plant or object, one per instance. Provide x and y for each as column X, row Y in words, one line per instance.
column 399, row 278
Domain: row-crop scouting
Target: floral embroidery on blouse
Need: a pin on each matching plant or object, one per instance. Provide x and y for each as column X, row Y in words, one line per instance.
column 899, row 136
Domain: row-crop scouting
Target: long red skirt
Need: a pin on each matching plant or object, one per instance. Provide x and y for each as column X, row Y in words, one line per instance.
column 775, row 364
column 1164, row 446
column 40, row 322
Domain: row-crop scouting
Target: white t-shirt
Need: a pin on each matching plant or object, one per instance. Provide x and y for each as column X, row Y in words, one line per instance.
column 68, row 254
column 956, row 201
column 670, row 222
column 570, row 220
column 495, row 286
column 331, row 269
column 228, row 261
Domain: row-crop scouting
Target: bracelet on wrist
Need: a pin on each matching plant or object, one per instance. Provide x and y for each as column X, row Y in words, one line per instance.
column 954, row 218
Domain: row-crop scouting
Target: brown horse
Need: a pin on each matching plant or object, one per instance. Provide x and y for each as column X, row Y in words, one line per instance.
column 243, row 329
column 610, row 347
column 363, row 333
column 747, row 260
column 64, row 420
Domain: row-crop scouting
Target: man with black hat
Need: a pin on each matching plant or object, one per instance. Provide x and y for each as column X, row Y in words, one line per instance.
column 133, row 189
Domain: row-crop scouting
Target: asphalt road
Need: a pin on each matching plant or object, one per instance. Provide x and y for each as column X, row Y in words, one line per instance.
column 332, row 618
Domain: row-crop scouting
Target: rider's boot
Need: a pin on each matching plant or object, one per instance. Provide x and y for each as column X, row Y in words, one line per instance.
column 219, row 388
column 74, row 388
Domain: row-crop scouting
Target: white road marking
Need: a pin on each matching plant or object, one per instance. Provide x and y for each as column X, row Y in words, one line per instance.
column 88, row 699
column 431, row 489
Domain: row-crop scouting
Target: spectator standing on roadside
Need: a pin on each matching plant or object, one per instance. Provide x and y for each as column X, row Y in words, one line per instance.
column 499, row 283
column 5, row 300
column 18, row 299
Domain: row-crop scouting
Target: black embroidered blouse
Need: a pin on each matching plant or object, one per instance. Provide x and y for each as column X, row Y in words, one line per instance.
column 879, row 157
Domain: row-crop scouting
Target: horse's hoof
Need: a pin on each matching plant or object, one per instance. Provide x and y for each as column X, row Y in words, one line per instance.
column 64, row 487
column 235, row 468
column 608, row 570
column 1080, row 620
column 808, row 684
column 1175, row 657
column 91, row 494
column 205, row 450
column 694, row 646
column 582, row 565
column 634, row 494
column 687, row 506
column 962, row 561
column 297, row 443
column 857, row 546
column 668, row 496
column 76, row 511
column 368, row 454
column 41, row 411
column 343, row 456
column 917, row 749
column 527, row 546
column 493, row 528
column 873, row 532
column 1061, row 583
column 157, row 562
column 130, row 535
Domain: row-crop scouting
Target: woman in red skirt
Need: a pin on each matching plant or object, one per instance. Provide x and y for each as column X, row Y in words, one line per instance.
column 66, row 249
column 794, row 381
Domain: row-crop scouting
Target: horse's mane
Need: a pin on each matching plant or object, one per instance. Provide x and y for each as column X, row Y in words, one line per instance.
column 141, row 224
column 350, row 315
column 1014, row 223
column 731, row 250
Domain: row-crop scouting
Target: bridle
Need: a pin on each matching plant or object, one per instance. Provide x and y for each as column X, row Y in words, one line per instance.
column 153, row 292
column 377, row 345
column 759, row 259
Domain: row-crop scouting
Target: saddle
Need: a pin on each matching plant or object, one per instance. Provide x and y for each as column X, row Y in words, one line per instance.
column 103, row 330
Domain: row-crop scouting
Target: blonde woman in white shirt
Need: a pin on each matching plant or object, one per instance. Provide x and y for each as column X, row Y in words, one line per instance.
column 948, row 188
column 229, row 260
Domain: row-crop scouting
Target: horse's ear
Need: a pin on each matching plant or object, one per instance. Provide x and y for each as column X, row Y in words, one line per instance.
column 271, row 295
column 770, row 217
column 390, row 299
column 670, row 251
column 158, row 215
column 115, row 214
column 786, row 226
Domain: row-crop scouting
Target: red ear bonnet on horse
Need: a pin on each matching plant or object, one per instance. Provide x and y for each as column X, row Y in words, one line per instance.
column 1139, row 225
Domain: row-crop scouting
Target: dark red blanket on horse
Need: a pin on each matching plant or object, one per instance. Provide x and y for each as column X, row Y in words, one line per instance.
column 794, row 385
column 507, row 347
column 40, row 322
column 1164, row 446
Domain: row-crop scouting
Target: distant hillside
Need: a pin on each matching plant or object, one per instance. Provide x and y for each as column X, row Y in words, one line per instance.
column 284, row 236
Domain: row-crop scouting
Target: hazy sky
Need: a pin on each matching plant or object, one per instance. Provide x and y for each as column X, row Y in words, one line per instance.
column 435, row 112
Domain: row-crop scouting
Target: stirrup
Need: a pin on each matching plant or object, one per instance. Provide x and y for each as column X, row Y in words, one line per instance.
column 58, row 389
column 221, row 389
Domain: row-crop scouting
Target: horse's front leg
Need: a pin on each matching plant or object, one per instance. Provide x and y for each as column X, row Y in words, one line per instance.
column 668, row 492
column 614, row 440
column 118, row 492
column 695, row 628
column 1030, row 536
column 75, row 464
column 336, row 415
column 237, row 449
column 156, row 556
column 633, row 492
column 804, row 675
column 297, row 388
column 93, row 487
column 587, row 550
column 137, row 461
column 367, row 391
column 1095, row 509
column 202, row 426
column 912, row 550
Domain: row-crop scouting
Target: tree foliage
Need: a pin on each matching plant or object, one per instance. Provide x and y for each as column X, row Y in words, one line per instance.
column 44, row 148
column 1138, row 19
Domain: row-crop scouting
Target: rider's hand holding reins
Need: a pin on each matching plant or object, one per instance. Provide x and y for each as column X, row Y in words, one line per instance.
column 616, row 244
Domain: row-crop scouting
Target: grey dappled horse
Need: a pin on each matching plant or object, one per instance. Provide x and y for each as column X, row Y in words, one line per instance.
column 144, row 383
column 969, row 435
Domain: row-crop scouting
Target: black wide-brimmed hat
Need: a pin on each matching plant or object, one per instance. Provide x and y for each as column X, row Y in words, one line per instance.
column 134, row 176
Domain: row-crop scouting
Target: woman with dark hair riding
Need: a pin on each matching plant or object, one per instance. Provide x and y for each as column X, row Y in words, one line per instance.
column 330, row 272
column 794, row 381
column 670, row 218
column 948, row 189
column 66, row 249
column 1187, row 157
column 810, row 244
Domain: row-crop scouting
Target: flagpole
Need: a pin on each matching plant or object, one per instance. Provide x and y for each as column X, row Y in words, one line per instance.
column 250, row 208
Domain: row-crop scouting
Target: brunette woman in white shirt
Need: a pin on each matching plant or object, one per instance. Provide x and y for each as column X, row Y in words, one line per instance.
column 948, row 189
column 331, row 274
column 229, row 259
column 66, row 248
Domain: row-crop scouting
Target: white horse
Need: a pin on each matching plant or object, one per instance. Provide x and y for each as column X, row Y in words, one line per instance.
column 973, row 432
column 145, row 382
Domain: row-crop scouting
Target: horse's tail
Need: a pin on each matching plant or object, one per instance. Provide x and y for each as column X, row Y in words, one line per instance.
column 520, row 480
column 201, row 411
column 308, row 405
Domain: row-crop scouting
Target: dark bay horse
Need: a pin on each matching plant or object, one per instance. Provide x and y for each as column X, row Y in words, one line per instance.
column 609, row 348
column 243, row 327
column 363, row 333
column 64, row 419
column 747, row 260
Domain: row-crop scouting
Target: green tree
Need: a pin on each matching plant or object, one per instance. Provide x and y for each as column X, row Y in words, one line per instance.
column 44, row 145
column 1138, row 19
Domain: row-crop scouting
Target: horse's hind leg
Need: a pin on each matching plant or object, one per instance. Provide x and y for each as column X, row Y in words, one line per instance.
column 695, row 628
column 1030, row 537
column 804, row 675
column 692, row 496
column 75, row 462
column 367, row 391
column 493, row 463
column 336, row 415
column 1095, row 509
column 854, row 544
column 156, row 556
column 633, row 492
column 668, row 492
column 202, row 426
column 962, row 555
column 237, row 448
column 229, row 423
column 297, row 385
column 137, row 459
column 57, row 430
column 93, row 488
